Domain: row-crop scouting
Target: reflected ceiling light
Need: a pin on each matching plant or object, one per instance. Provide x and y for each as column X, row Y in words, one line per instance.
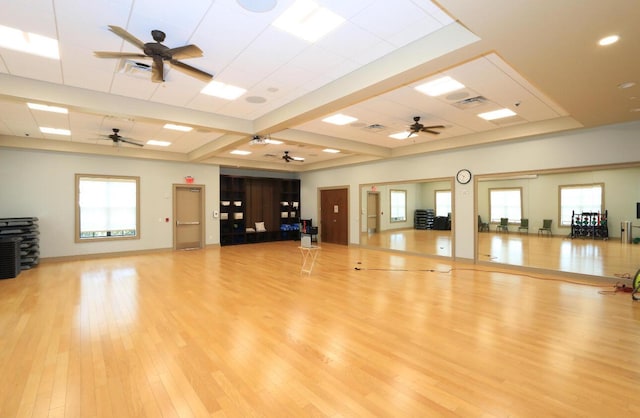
column 47, row 108
column 403, row 135
column 497, row 114
column 308, row 21
column 158, row 143
column 178, row 127
column 240, row 152
column 331, row 150
column 30, row 43
column 223, row 91
column 339, row 119
column 440, row 86
column 257, row 6
column 55, row 131
column 626, row 85
column 608, row 40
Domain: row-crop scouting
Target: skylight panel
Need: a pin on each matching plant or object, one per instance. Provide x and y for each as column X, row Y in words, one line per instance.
column 29, row 43
column 307, row 20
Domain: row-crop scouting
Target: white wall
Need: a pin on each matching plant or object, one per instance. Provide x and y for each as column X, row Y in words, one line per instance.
column 42, row 184
column 605, row 145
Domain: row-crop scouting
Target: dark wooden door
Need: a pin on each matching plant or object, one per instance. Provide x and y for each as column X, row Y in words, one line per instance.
column 334, row 216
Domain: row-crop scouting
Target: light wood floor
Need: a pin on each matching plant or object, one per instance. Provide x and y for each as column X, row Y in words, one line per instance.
column 239, row 332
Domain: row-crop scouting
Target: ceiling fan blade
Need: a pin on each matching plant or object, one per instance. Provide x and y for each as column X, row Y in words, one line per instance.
column 129, row 141
column 192, row 71
column 157, row 70
column 126, row 36
column 109, row 54
column 430, row 129
column 187, row 51
column 431, row 132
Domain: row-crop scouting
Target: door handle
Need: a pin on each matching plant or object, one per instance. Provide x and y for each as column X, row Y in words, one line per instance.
column 187, row 223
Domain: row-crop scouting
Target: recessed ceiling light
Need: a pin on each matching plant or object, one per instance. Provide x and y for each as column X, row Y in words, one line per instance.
column 55, row 131
column 608, row 40
column 47, row 108
column 257, row 6
column 158, row 143
column 30, row 43
column 308, row 21
column 240, row 152
column 626, row 85
column 403, row 135
column 298, row 158
column 497, row 114
column 273, row 141
column 178, row 127
column 223, row 91
column 339, row 119
column 440, row 86
column 331, row 150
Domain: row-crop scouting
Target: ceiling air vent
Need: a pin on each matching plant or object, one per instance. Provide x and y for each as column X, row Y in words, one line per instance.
column 135, row 68
column 471, row 102
column 376, row 127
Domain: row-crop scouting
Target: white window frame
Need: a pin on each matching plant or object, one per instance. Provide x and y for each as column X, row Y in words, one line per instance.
column 579, row 198
column 443, row 202
column 398, row 205
column 121, row 219
column 505, row 203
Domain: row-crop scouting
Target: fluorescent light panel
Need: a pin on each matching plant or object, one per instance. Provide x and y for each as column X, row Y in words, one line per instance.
column 178, row 127
column 331, row 150
column 29, row 43
column 223, row 91
column 307, row 20
column 240, row 152
column 608, row 40
column 497, row 114
column 298, row 158
column 273, row 141
column 47, row 108
column 158, row 143
column 55, row 131
column 403, row 135
column 440, row 86
column 339, row 119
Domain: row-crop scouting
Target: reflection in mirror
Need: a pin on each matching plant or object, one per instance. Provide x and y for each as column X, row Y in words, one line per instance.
column 577, row 222
column 426, row 229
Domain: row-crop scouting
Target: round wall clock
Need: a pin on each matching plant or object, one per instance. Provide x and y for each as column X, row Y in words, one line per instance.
column 463, row 176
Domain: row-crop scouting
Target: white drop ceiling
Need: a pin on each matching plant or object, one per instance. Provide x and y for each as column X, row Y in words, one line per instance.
column 539, row 59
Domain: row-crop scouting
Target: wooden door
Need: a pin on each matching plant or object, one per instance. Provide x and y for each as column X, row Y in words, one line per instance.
column 373, row 214
column 334, row 216
column 188, row 212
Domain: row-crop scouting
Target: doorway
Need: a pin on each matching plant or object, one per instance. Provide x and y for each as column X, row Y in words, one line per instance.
column 373, row 212
column 334, row 216
column 188, row 212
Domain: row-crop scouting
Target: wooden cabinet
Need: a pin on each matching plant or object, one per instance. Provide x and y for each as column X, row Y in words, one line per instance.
column 249, row 204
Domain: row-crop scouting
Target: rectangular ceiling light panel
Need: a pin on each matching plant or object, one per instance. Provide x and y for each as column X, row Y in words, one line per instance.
column 29, row 43
column 307, row 20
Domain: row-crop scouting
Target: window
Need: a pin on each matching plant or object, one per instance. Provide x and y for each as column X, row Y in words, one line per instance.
column 578, row 199
column 107, row 207
column 505, row 203
column 398, row 205
column 443, row 202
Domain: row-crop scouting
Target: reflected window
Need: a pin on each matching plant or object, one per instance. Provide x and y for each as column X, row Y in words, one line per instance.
column 579, row 199
column 107, row 207
column 443, row 202
column 398, row 200
column 505, row 203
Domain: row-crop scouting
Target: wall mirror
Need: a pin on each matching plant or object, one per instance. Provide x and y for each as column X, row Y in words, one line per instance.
column 426, row 206
column 591, row 215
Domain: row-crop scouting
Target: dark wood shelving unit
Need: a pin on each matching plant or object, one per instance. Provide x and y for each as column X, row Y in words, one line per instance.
column 589, row 225
column 246, row 201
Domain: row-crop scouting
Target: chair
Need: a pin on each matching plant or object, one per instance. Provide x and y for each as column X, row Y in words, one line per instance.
column 503, row 225
column 307, row 228
column 524, row 225
column 482, row 226
column 546, row 227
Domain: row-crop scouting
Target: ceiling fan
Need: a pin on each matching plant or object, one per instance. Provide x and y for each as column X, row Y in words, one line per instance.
column 418, row 127
column 159, row 53
column 117, row 138
column 288, row 158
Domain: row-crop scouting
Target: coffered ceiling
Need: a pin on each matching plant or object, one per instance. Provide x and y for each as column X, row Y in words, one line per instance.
column 539, row 59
